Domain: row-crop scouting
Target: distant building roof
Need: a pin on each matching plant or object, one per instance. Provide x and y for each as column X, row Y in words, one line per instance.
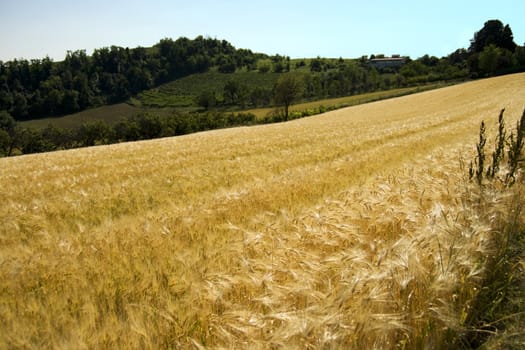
column 394, row 61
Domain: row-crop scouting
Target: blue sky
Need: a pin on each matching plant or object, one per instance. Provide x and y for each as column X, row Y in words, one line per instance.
column 329, row 28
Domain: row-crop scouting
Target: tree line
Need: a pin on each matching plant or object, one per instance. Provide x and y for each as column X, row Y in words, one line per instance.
column 41, row 88
column 492, row 51
column 334, row 78
column 15, row 139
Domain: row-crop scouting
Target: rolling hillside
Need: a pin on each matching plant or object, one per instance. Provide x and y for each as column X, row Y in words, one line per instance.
column 111, row 114
column 348, row 229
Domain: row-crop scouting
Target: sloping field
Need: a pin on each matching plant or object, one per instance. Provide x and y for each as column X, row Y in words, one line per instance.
column 343, row 230
column 110, row 114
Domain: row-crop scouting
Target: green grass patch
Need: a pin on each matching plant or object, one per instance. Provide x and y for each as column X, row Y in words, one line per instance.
column 110, row 114
column 184, row 92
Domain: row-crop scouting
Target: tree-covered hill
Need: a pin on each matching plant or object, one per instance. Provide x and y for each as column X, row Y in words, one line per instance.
column 38, row 88
column 41, row 88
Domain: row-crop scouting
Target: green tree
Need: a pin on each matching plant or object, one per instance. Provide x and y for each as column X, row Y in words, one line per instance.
column 233, row 91
column 493, row 59
column 288, row 88
column 9, row 133
column 488, row 59
column 139, row 79
column 5, row 141
column 33, row 141
column 85, row 94
column 20, row 107
column 59, row 138
column 414, row 69
column 127, row 129
column 92, row 133
column 493, row 32
column 207, row 99
column 264, row 65
column 70, row 101
column 6, row 97
column 260, row 96
column 519, row 56
column 227, row 64
column 150, row 125
column 52, row 91
column 316, row 65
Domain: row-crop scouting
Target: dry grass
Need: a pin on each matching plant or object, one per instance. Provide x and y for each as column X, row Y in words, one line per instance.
column 350, row 229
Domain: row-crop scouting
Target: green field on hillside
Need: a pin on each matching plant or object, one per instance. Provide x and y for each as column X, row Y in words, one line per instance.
column 184, row 92
column 110, row 114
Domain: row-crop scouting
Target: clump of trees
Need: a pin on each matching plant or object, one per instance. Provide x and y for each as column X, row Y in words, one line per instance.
column 493, row 51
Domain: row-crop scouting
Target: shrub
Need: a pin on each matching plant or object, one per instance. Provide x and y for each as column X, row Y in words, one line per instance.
column 514, row 149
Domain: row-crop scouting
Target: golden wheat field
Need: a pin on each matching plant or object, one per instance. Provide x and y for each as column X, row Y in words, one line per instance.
column 342, row 230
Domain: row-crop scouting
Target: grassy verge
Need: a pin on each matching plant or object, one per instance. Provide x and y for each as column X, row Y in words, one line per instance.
column 320, row 106
column 495, row 318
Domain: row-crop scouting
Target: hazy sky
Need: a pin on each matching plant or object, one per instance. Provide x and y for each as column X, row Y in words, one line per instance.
column 328, row 28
